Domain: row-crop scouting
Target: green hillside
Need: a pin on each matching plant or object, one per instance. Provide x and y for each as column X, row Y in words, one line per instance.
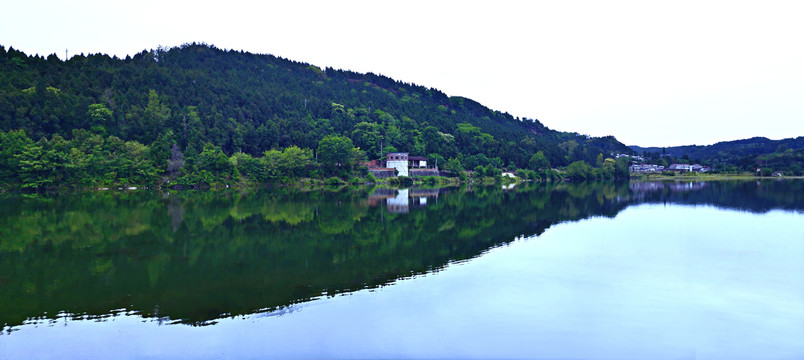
column 103, row 120
column 786, row 155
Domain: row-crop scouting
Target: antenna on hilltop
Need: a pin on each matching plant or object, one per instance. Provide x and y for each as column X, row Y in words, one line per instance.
column 65, row 54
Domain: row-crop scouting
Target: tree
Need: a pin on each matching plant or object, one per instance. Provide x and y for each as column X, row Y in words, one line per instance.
column 99, row 118
column 369, row 136
column 155, row 116
column 296, row 161
column 12, row 144
column 213, row 160
column 160, row 150
column 608, row 169
column 579, row 170
column 538, row 162
column 335, row 151
column 454, row 166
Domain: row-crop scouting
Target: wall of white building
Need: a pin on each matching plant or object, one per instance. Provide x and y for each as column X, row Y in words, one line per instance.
column 401, row 166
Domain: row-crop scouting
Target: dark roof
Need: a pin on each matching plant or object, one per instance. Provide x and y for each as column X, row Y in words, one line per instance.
column 417, row 158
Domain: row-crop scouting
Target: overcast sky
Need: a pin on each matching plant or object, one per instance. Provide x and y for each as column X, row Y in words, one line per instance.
column 650, row 73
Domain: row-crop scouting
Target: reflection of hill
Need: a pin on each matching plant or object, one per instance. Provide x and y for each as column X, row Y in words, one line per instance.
column 754, row 196
column 197, row 256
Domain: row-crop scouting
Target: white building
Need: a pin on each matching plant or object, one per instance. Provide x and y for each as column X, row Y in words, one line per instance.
column 398, row 161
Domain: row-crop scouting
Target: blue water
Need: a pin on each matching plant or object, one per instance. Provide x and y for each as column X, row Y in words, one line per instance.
column 655, row 282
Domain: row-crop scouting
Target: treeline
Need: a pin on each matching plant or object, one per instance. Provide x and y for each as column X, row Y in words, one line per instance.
column 91, row 160
column 785, row 156
column 204, row 99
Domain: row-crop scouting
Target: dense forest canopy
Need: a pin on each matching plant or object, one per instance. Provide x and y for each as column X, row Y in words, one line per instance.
column 204, row 99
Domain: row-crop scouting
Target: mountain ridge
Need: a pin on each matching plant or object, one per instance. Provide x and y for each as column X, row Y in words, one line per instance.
column 756, row 145
column 256, row 102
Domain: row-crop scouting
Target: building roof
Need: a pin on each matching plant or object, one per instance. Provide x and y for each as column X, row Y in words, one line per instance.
column 417, row 158
column 405, row 154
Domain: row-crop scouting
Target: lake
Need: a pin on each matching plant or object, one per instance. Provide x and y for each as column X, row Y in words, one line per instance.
column 660, row 270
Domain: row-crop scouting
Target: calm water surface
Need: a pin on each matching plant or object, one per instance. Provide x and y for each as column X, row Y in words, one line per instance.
column 584, row 271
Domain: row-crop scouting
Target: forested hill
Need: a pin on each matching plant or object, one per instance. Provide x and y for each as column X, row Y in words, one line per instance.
column 252, row 103
column 746, row 154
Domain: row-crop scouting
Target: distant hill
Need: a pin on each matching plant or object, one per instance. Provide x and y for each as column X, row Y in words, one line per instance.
column 737, row 148
column 247, row 102
column 785, row 154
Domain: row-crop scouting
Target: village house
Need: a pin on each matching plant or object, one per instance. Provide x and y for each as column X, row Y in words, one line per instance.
column 400, row 164
column 632, row 157
column 651, row 168
column 688, row 168
column 645, row 168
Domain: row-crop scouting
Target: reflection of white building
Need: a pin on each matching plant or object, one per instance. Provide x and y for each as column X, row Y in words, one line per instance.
column 398, row 161
column 400, row 203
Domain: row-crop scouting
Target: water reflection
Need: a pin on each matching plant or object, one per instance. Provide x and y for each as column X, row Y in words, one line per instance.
column 399, row 201
column 753, row 196
column 194, row 257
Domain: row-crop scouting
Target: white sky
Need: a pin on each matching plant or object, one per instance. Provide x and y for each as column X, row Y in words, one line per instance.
column 651, row 73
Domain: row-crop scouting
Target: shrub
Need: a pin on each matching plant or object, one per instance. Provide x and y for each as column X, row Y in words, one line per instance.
column 333, row 181
column 404, row 180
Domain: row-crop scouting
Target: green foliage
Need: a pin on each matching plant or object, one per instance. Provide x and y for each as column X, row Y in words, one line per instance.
column 527, row 174
column 454, row 166
column 492, row 171
column 240, row 102
column 335, row 151
column 607, row 169
column 404, row 180
column 538, row 162
column 579, row 170
column 160, row 150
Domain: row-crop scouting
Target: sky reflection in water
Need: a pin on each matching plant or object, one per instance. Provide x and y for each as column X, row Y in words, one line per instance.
column 657, row 281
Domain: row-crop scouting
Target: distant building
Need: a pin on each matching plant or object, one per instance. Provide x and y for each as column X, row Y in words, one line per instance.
column 689, row 168
column 680, row 167
column 636, row 158
column 645, row 168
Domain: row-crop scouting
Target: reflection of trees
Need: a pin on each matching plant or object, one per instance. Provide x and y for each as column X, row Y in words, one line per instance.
column 199, row 255
column 755, row 196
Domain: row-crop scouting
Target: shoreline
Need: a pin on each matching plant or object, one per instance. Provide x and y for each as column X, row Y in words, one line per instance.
column 709, row 177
